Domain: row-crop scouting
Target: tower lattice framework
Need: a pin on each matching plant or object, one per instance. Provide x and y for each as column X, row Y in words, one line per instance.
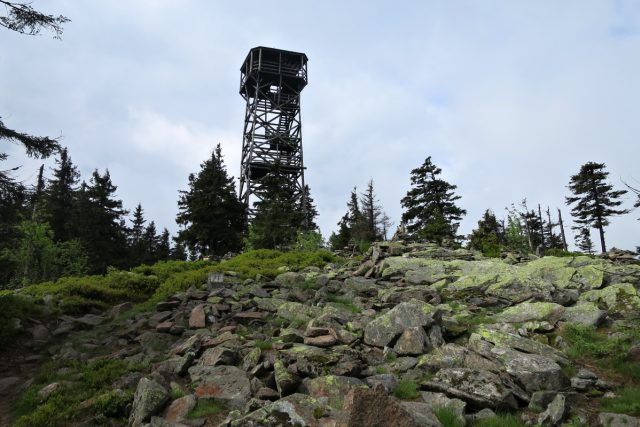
column 271, row 82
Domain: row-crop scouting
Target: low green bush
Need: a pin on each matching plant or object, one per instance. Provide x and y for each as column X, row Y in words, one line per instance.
column 447, row 417
column 17, row 307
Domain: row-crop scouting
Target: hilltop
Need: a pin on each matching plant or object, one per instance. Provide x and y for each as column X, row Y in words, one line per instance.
column 411, row 334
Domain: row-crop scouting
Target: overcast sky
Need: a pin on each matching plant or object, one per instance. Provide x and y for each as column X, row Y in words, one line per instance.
column 508, row 97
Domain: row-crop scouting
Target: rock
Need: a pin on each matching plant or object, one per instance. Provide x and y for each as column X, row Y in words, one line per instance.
column 89, row 320
column 619, row 300
column 479, row 388
column 289, row 279
column 586, row 314
column 528, row 311
column 440, row 400
column 164, row 327
column 179, row 408
column 286, row 382
column 266, row 393
column 197, row 319
column 384, row 328
column 555, row 412
column 294, row 410
column 149, row 399
column 40, row 333
column 388, row 381
column 333, row 387
column 218, row 356
column 8, row 385
column 321, row 341
column 535, row 372
column 120, row 309
column 373, row 407
column 412, row 341
column 607, row 419
column 500, row 338
column 48, row 390
column 221, row 382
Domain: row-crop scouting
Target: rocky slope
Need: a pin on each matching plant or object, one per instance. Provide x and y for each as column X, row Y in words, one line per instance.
column 415, row 335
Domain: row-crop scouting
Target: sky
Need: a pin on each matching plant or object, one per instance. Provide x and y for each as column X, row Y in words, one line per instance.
column 509, row 98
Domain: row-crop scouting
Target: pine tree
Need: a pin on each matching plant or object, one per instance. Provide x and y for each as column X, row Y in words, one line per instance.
column 59, row 197
column 277, row 218
column 100, row 223
column 350, row 225
column 595, row 200
column 431, row 212
column 212, row 217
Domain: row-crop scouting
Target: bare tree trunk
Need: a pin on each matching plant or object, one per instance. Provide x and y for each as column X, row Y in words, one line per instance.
column 564, row 240
column 550, row 226
column 541, row 226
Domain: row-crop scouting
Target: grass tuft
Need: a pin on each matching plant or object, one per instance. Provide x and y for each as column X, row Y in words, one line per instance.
column 447, row 417
column 406, row 389
column 206, row 407
column 626, row 402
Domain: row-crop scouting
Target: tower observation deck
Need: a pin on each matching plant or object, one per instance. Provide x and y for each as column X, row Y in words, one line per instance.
column 270, row 82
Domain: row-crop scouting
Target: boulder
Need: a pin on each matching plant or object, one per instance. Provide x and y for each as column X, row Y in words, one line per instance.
column 479, row 388
column 585, row 314
column 178, row 409
column 606, row 419
column 286, row 382
column 528, row 311
column 555, row 412
column 385, row 328
column 197, row 319
column 149, row 399
column 221, row 382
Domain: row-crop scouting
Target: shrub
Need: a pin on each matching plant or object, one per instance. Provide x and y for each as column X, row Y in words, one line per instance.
column 206, row 407
column 13, row 306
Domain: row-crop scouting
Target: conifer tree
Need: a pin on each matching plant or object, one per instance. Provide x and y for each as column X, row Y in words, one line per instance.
column 371, row 215
column 277, row 218
column 430, row 209
column 212, row 216
column 583, row 239
column 595, row 200
column 349, row 225
column 488, row 236
column 150, row 240
column 163, row 249
column 60, row 197
column 309, row 210
column 136, row 245
column 100, row 223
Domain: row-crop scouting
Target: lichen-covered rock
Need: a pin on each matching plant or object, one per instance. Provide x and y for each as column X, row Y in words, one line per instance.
column 585, row 314
column 221, row 382
column 294, row 410
column 528, row 311
column 533, row 371
column 178, row 409
column 384, row 328
column 607, row 419
column 149, row 399
column 332, row 387
column 500, row 338
column 479, row 388
column 290, row 279
column 621, row 299
column 296, row 311
column 286, row 381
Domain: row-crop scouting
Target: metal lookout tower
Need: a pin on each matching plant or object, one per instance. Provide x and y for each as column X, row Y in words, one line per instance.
column 270, row 82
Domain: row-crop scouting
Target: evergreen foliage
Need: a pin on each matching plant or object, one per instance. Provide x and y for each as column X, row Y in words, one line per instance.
column 488, row 237
column 277, row 216
column 100, row 224
column 430, row 205
column 212, row 217
column 594, row 200
column 370, row 229
column 59, row 197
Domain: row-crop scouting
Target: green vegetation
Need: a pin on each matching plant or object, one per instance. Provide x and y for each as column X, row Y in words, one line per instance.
column 206, row 407
column 344, row 303
column 448, row 418
column 176, row 391
column 627, row 402
column 13, row 307
column 85, row 389
column 501, row 420
column 264, row 344
column 406, row 389
column 610, row 352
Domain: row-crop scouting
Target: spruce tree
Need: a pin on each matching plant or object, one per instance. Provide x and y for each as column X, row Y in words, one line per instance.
column 595, row 200
column 309, row 210
column 212, row 216
column 488, row 236
column 59, row 197
column 150, row 241
column 371, row 215
column 583, row 239
column 163, row 249
column 100, row 223
column 277, row 218
column 430, row 209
